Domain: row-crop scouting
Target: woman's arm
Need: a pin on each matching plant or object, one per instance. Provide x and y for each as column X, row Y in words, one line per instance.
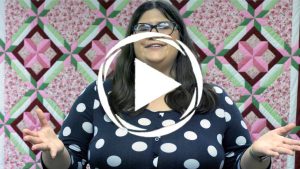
column 62, row 160
column 70, row 149
column 54, row 153
column 249, row 161
column 271, row 144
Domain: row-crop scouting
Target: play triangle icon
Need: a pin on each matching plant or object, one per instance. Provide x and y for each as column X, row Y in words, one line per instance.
column 150, row 84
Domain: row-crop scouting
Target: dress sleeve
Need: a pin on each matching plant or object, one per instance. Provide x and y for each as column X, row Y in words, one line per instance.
column 236, row 137
column 77, row 129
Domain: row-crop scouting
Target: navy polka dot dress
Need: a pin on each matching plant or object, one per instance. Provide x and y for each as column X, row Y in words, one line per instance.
column 213, row 140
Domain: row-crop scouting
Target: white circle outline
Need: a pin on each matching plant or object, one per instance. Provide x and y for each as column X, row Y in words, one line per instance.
column 103, row 70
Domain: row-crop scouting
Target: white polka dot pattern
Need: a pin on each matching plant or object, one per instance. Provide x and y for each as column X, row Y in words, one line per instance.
column 80, row 107
column 75, row 147
column 72, row 160
column 218, row 90
column 230, row 154
column 107, row 135
column 83, row 161
column 168, row 122
column 114, row 161
column 168, row 147
column 144, row 121
column 227, row 117
column 106, row 118
column 66, row 131
column 219, row 138
column 99, row 143
column 228, row 100
column 205, row 123
column 191, row 164
column 240, row 140
column 95, row 130
column 120, row 132
column 222, row 164
column 96, row 104
column 79, row 165
column 139, row 146
column 220, row 113
column 244, row 124
column 87, row 127
column 155, row 161
column 190, row 135
column 212, row 151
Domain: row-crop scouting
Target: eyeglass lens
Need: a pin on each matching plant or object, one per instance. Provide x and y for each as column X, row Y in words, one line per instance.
column 162, row 27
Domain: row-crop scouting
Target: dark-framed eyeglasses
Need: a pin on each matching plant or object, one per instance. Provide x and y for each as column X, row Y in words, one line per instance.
column 165, row 27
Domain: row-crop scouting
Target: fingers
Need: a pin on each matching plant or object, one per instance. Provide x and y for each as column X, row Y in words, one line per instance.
column 41, row 146
column 53, row 152
column 291, row 144
column 31, row 136
column 291, row 141
column 283, row 150
column 32, row 139
column 287, row 146
column 294, row 144
column 285, row 129
column 296, row 148
column 42, row 118
column 277, row 142
column 29, row 132
column 46, row 147
column 272, row 153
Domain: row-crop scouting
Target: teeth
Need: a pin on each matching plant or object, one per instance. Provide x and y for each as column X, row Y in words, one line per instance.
column 155, row 45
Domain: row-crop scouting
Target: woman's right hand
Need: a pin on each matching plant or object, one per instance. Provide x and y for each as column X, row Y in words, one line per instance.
column 44, row 139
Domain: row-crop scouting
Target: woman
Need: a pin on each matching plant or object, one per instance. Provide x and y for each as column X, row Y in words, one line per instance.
column 215, row 137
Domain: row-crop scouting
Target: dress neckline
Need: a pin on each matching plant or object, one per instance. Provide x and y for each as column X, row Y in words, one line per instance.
column 163, row 111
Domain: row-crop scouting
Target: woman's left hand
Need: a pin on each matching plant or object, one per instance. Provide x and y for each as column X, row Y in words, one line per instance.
column 274, row 143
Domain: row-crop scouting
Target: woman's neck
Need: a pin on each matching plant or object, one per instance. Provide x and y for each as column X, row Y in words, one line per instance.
column 158, row 104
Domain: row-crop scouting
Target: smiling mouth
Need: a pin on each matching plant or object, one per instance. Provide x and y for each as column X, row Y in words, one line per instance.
column 155, row 46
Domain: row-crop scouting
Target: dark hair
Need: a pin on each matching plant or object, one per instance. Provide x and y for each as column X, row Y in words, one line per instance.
column 121, row 97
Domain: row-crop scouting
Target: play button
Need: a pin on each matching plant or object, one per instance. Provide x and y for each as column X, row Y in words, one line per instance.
column 150, row 84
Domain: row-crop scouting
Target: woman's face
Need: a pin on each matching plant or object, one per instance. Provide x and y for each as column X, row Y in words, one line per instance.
column 155, row 53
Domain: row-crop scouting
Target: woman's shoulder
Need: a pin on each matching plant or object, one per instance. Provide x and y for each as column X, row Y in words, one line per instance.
column 107, row 84
column 216, row 88
column 221, row 93
column 92, row 88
